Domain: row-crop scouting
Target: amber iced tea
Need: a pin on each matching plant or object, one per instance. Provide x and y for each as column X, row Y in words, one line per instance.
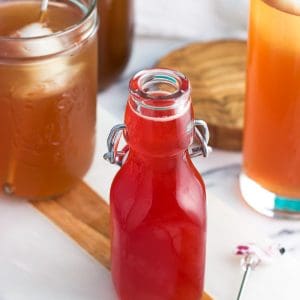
column 47, row 96
column 272, row 132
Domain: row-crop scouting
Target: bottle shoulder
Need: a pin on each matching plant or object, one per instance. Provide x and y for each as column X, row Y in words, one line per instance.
column 162, row 173
column 145, row 193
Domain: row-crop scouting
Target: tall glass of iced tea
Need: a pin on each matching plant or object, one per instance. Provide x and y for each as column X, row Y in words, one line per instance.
column 48, row 84
column 270, row 181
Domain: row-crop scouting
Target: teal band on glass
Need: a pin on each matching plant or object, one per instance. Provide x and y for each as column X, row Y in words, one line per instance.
column 287, row 204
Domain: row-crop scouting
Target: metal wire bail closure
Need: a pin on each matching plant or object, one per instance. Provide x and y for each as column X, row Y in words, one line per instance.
column 114, row 156
column 199, row 146
column 201, row 139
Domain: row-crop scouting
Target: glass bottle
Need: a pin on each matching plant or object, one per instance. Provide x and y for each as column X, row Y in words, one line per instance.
column 158, row 209
column 115, row 38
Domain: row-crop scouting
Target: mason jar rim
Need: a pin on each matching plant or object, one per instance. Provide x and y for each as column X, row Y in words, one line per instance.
column 56, row 34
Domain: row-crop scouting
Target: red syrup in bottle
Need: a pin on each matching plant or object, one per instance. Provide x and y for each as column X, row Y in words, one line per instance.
column 158, row 206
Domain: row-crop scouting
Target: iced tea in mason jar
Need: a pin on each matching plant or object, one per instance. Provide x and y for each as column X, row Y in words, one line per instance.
column 48, row 86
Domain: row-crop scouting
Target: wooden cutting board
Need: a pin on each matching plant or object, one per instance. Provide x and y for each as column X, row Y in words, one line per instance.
column 84, row 216
column 217, row 74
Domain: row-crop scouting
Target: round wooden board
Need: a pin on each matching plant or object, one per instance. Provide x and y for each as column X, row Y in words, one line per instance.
column 217, row 74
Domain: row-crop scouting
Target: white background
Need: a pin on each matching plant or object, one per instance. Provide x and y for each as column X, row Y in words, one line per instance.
column 193, row 19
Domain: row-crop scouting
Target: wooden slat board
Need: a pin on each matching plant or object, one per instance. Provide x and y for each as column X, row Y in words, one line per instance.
column 217, row 74
column 84, row 216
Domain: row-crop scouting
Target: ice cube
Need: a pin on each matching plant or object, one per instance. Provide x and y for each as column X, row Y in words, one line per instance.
column 33, row 30
column 37, row 47
column 45, row 77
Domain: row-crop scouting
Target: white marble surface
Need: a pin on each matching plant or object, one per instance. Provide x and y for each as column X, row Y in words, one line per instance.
column 38, row 261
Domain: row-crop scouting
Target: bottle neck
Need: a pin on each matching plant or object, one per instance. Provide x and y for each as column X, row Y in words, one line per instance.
column 159, row 117
column 159, row 120
column 159, row 137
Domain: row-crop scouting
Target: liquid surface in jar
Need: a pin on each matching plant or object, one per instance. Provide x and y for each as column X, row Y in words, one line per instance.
column 17, row 14
column 272, row 136
column 47, row 106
